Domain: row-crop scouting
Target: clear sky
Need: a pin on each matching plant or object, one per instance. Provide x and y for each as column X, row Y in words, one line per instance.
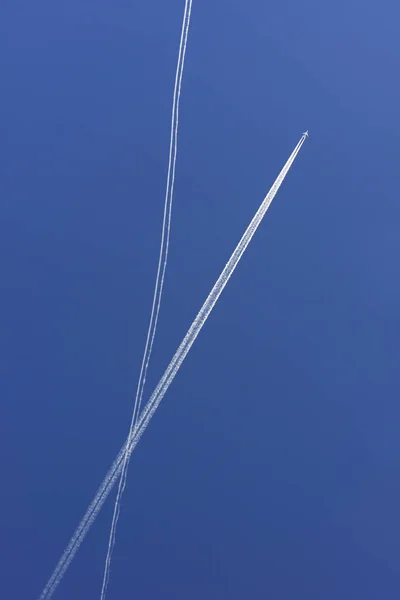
column 271, row 469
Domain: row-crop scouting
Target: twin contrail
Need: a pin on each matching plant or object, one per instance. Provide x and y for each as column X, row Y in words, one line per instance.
column 165, row 381
column 162, row 264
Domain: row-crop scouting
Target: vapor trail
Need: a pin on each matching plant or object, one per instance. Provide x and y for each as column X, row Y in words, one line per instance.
column 165, row 381
column 162, row 264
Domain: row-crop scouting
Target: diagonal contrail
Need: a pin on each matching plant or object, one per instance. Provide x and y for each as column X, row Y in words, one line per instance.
column 162, row 264
column 165, row 381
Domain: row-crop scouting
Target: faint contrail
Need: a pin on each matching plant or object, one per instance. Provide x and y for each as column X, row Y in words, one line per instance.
column 158, row 394
column 162, row 264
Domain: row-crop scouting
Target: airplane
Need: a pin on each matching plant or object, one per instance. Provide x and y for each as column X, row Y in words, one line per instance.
column 306, row 133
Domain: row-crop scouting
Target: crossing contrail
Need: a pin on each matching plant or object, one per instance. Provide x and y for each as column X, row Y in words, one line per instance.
column 165, row 381
column 162, row 264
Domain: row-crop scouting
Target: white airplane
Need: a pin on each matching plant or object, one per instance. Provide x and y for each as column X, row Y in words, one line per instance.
column 306, row 133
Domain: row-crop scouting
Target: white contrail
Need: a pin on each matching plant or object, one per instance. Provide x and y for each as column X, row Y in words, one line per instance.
column 155, row 399
column 162, row 264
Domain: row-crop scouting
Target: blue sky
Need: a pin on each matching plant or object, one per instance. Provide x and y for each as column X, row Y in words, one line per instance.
column 271, row 469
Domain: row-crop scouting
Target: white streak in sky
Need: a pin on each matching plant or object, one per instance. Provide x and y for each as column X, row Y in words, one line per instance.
column 162, row 264
column 165, row 381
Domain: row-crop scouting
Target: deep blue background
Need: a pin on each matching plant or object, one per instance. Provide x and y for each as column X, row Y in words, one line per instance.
column 272, row 467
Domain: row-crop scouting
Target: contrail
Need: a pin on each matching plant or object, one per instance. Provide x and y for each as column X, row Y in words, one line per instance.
column 158, row 394
column 162, row 264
